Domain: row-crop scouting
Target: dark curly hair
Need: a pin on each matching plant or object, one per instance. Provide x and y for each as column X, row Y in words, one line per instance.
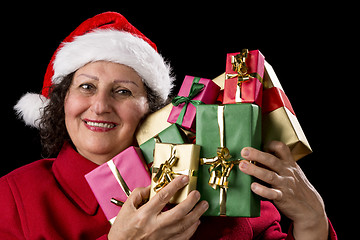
column 52, row 127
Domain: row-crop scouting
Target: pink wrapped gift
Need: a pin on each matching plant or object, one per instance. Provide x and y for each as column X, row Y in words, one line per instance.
column 244, row 74
column 193, row 91
column 114, row 180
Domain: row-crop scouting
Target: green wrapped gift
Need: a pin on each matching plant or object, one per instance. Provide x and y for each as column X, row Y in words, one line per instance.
column 172, row 134
column 222, row 132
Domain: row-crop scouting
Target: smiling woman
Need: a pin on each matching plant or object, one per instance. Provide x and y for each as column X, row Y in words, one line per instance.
column 101, row 81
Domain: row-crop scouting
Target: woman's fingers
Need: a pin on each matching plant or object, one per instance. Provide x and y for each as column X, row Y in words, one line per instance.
column 263, row 174
column 138, row 196
column 266, row 159
column 279, row 149
column 185, row 206
column 158, row 202
column 265, row 192
column 188, row 208
column 185, row 215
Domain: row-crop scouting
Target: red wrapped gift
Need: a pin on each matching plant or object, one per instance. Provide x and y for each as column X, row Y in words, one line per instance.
column 193, row 91
column 113, row 181
column 244, row 74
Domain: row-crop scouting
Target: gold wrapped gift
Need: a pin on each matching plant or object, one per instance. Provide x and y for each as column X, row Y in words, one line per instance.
column 282, row 124
column 171, row 160
column 154, row 124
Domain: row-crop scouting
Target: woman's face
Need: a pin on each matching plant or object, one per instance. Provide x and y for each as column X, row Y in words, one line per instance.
column 103, row 107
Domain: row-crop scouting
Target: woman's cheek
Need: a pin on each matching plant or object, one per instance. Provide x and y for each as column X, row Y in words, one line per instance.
column 134, row 109
column 142, row 106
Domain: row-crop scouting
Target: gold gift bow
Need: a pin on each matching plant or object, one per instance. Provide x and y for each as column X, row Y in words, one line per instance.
column 220, row 177
column 164, row 174
column 239, row 65
column 121, row 182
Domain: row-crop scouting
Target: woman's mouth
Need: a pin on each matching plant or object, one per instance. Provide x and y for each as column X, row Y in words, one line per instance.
column 99, row 126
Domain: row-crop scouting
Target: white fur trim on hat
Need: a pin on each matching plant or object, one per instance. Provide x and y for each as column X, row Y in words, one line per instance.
column 30, row 108
column 118, row 47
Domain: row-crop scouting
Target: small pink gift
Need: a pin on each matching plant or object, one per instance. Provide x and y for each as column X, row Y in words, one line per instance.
column 113, row 181
column 193, row 91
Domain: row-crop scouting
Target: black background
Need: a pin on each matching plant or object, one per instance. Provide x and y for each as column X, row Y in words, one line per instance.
column 307, row 46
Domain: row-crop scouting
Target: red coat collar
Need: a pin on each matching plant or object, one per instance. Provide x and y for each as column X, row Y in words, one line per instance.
column 69, row 169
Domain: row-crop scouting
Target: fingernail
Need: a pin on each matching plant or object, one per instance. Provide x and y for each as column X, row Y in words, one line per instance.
column 244, row 164
column 197, row 195
column 205, row 205
column 245, row 152
column 254, row 186
column 185, row 179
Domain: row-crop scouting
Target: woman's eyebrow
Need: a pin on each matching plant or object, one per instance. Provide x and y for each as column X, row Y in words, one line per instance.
column 115, row 81
column 89, row 76
column 125, row 81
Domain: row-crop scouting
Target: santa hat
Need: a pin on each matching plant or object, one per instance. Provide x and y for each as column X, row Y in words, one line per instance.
column 109, row 37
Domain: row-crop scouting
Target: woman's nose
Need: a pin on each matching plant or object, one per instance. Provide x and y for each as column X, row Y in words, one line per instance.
column 101, row 104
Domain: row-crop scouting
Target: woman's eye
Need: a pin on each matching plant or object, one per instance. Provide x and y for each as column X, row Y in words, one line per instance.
column 86, row 87
column 123, row 92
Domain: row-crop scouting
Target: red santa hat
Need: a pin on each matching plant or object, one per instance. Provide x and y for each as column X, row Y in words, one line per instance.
column 109, row 37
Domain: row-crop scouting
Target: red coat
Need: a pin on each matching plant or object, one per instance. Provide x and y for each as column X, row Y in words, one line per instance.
column 50, row 199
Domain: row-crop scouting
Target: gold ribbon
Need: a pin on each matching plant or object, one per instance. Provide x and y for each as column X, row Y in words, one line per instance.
column 239, row 65
column 220, row 167
column 164, row 174
column 121, row 182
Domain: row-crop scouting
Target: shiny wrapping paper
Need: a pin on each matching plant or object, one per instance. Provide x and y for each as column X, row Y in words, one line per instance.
column 242, row 128
column 172, row 134
column 153, row 124
column 279, row 120
column 171, row 160
column 117, row 178
column 193, row 91
column 245, row 85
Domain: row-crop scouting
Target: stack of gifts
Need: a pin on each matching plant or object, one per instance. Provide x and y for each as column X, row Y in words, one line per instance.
column 201, row 134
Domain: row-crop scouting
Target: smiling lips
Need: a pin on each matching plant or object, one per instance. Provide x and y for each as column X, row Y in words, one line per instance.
column 99, row 126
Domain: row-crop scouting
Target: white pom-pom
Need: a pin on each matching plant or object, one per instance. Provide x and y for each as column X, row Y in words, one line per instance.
column 30, row 108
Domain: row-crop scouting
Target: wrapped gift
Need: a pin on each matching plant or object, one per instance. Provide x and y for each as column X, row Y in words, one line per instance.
column 244, row 73
column 113, row 181
column 279, row 120
column 153, row 124
column 172, row 134
column 171, row 160
column 222, row 132
column 193, row 91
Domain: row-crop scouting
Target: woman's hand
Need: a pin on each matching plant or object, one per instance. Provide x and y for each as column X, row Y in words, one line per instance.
column 290, row 190
column 147, row 221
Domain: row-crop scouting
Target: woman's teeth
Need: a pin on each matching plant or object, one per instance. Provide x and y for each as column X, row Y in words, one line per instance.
column 102, row 125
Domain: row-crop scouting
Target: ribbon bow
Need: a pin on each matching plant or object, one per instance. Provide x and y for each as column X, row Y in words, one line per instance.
column 165, row 174
column 195, row 89
column 220, row 168
column 239, row 65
